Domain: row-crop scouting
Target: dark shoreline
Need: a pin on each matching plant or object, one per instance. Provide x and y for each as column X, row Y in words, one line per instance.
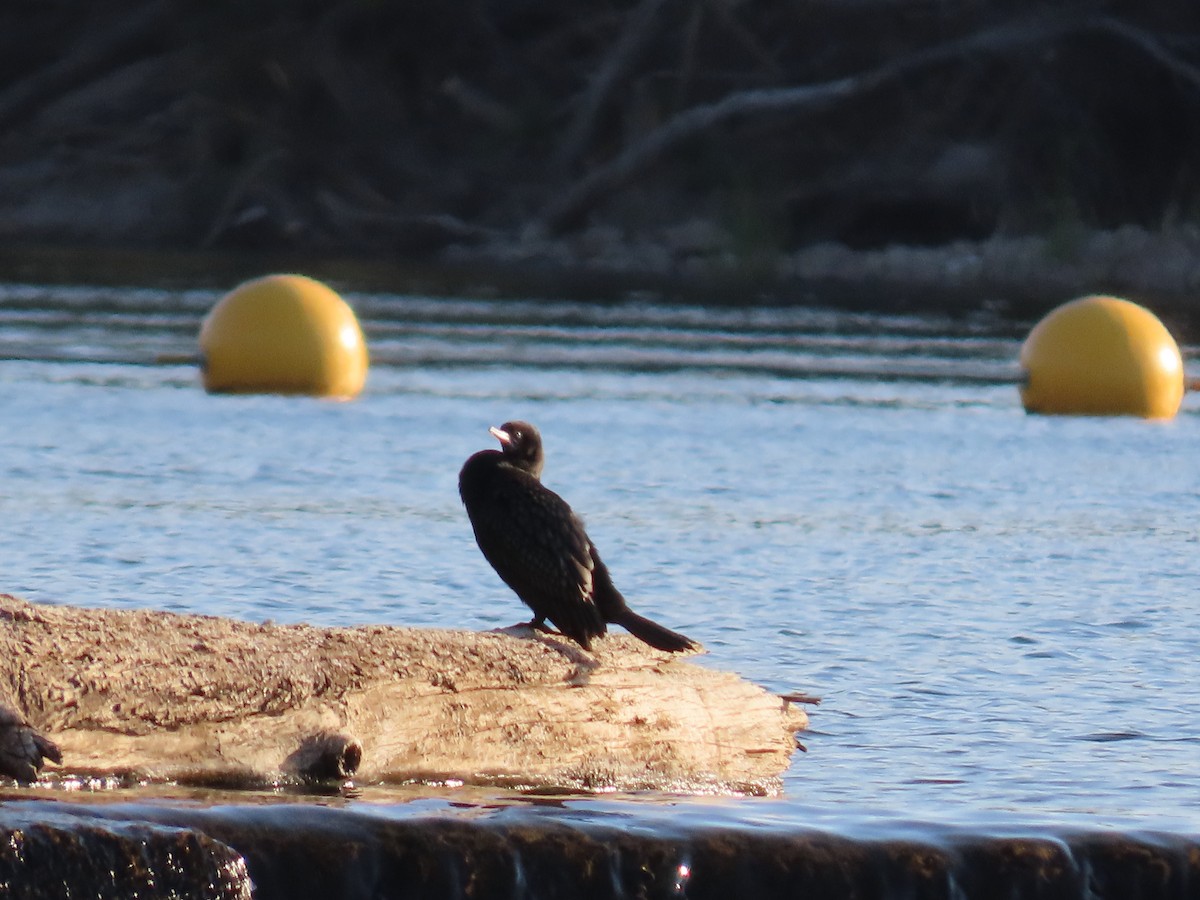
column 981, row 158
column 1008, row 279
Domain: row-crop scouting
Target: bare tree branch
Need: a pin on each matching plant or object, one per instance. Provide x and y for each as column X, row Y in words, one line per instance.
column 100, row 52
column 580, row 198
column 638, row 30
column 1150, row 45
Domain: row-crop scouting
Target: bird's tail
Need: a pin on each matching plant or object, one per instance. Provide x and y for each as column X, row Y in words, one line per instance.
column 657, row 636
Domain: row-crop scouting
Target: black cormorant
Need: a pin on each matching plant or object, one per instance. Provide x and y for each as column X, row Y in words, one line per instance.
column 538, row 546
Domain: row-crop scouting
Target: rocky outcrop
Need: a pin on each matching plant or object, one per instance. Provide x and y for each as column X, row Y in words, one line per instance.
column 48, row 856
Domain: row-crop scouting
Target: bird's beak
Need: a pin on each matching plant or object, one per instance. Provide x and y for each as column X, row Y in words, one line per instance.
column 501, row 435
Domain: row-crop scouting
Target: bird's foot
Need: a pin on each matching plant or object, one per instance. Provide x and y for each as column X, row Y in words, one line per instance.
column 540, row 625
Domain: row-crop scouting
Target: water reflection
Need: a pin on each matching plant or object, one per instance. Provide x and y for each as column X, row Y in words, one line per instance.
column 142, row 326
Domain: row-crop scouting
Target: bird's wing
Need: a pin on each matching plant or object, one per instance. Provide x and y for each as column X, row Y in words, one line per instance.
column 539, row 547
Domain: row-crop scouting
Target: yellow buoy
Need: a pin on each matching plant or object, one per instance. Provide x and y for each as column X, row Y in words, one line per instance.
column 1101, row 356
column 283, row 334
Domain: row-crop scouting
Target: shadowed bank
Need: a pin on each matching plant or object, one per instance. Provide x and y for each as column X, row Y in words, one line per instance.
column 549, row 149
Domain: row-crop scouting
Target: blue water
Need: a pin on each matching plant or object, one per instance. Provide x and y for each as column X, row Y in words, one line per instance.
column 999, row 611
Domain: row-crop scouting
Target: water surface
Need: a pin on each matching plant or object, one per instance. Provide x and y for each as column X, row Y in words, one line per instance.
column 998, row 610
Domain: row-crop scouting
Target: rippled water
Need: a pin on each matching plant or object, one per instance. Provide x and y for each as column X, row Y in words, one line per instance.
column 999, row 611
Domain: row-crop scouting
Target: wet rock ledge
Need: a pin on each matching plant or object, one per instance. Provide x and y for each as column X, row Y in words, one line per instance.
column 206, row 700
column 297, row 852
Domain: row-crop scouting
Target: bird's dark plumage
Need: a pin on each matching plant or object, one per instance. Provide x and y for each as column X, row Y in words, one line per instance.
column 538, row 546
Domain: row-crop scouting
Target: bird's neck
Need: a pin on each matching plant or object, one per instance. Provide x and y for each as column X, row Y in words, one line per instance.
column 531, row 467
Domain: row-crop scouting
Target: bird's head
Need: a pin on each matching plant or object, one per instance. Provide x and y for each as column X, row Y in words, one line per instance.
column 521, row 445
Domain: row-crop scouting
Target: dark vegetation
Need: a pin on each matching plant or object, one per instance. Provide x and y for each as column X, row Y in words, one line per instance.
column 584, row 130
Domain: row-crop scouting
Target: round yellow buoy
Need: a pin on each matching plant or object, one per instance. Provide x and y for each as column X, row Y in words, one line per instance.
column 1101, row 356
column 283, row 334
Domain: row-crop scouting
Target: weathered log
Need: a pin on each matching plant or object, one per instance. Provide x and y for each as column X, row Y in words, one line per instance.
column 203, row 699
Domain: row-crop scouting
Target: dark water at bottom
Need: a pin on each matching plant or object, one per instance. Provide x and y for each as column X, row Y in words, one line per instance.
column 553, row 850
